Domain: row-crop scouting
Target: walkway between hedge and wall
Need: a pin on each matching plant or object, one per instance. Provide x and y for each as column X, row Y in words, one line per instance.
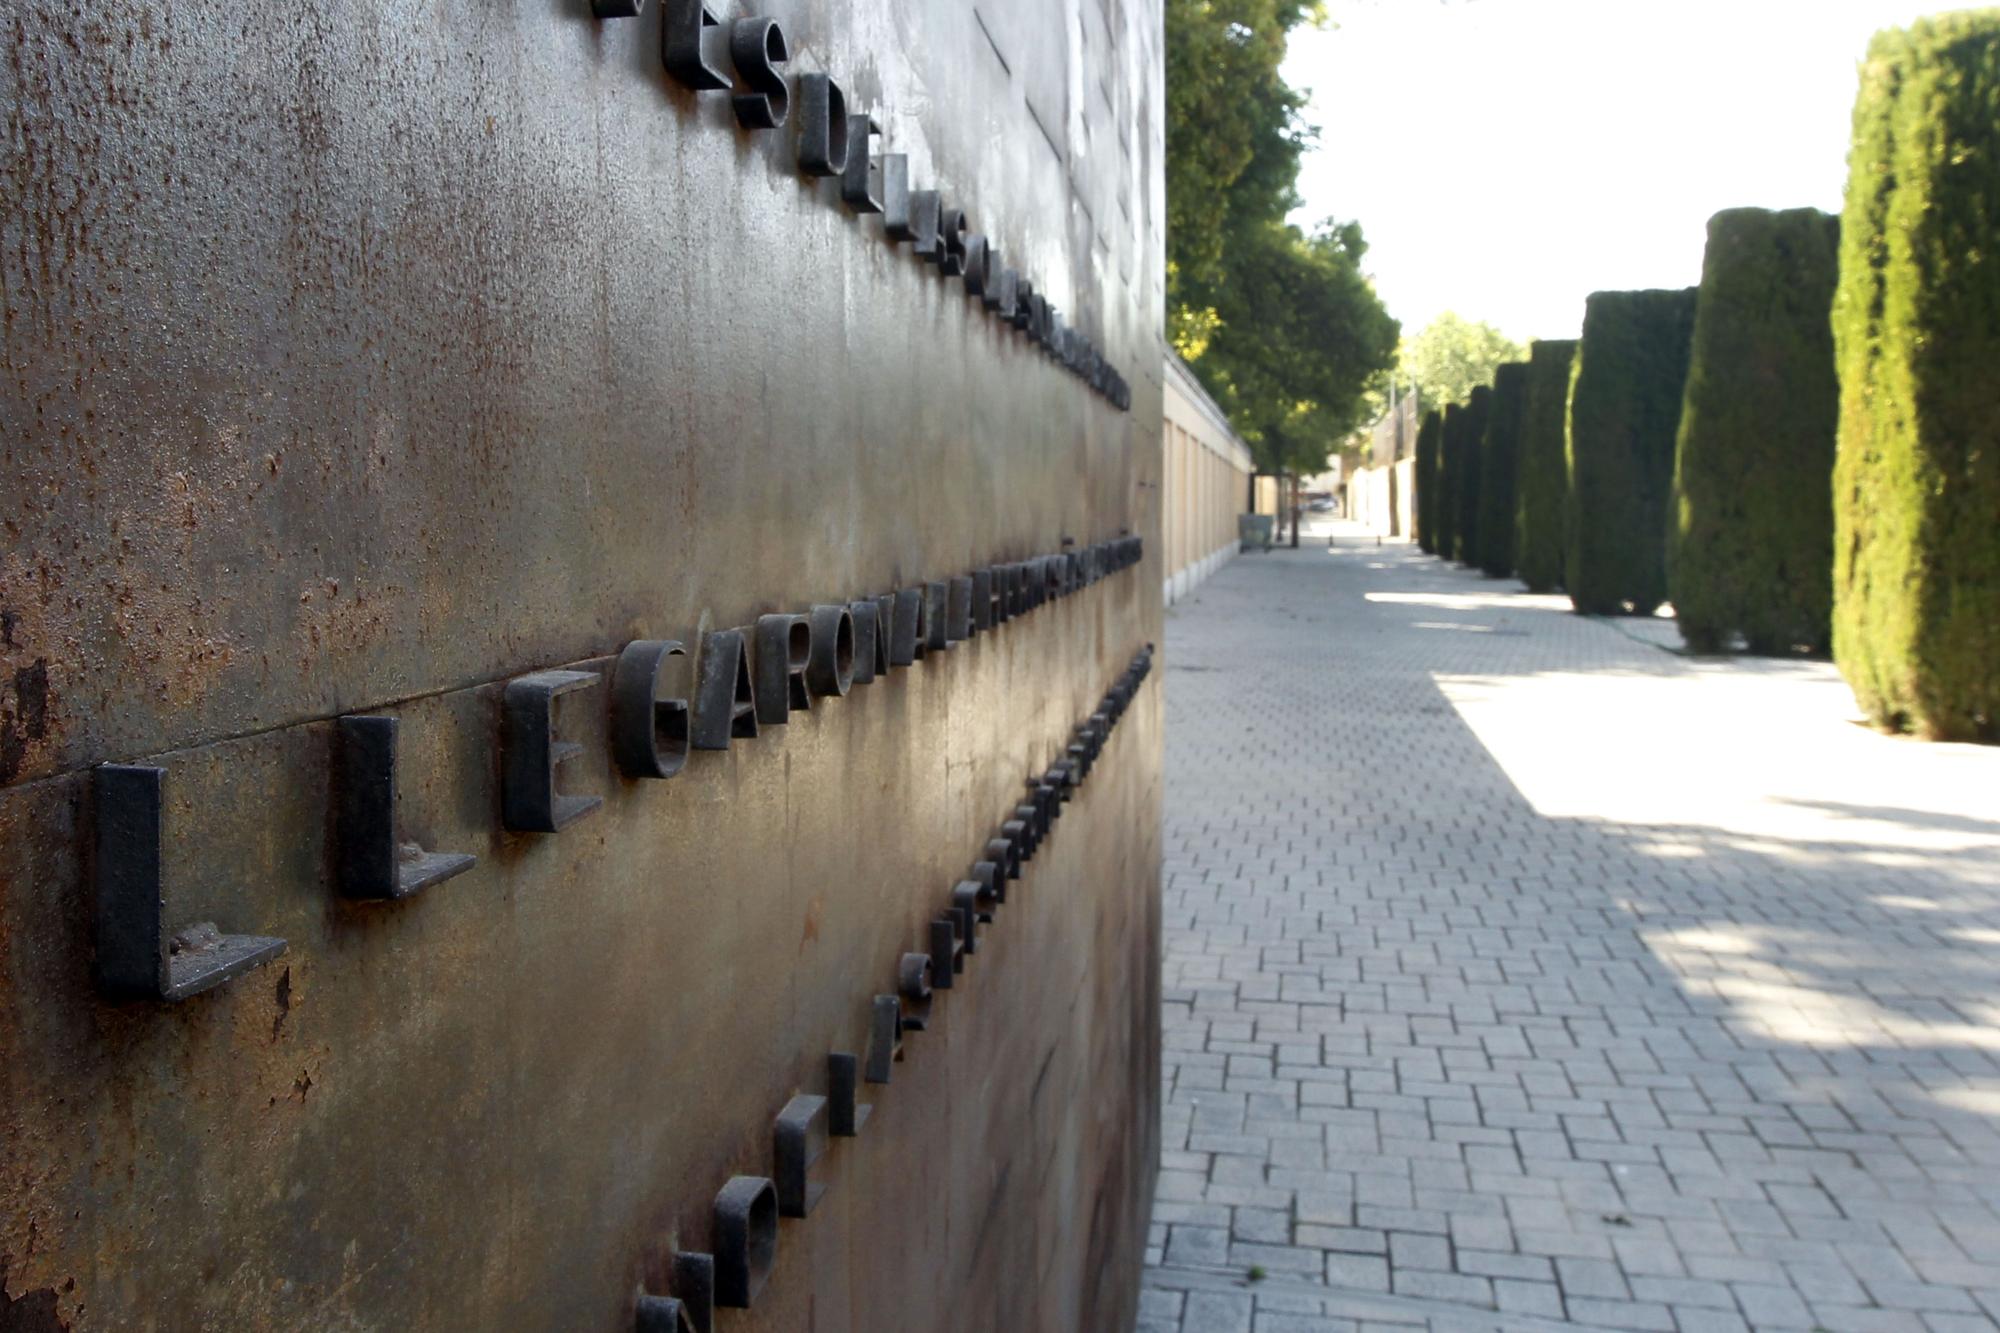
column 1521, row 973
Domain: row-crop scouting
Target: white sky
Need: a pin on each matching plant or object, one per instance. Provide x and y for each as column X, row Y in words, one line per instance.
column 1506, row 158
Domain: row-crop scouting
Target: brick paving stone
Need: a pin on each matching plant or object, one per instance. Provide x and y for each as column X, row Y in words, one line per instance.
column 1709, row 1321
column 1298, row 1323
column 1197, row 1246
column 1542, row 1299
column 1593, row 1313
column 1516, row 964
column 1219, row 1312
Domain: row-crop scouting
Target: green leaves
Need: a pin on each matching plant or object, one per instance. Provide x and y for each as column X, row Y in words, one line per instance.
column 1542, row 482
column 1916, row 324
column 1301, row 332
column 1499, row 469
column 1750, row 544
column 1281, row 325
column 1229, row 116
column 1624, row 410
column 1454, row 354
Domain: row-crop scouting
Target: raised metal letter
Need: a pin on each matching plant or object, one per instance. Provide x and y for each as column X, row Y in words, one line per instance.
column 896, row 197
column 746, row 1240
column 798, row 1139
column 784, row 646
column 924, row 220
column 136, row 959
column 649, row 735
column 374, row 861
column 724, row 700
column 823, row 125
column 680, row 46
column 861, row 182
column 530, row 751
column 830, row 667
column 846, row 1113
column 757, row 46
column 866, row 616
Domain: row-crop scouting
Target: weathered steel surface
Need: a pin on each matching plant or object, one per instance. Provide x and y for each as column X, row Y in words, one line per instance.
column 361, row 358
column 326, row 330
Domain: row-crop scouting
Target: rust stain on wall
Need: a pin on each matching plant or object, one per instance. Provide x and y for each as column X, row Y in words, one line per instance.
column 362, row 356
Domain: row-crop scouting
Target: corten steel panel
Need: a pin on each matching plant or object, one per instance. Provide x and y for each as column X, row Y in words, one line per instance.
column 361, row 356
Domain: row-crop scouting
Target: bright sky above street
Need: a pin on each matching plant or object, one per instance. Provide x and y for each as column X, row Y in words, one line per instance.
column 1508, row 157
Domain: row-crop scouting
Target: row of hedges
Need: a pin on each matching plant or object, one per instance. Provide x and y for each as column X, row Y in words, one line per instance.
column 1429, row 439
column 1499, row 469
column 1448, row 481
column 1751, row 544
column 1624, row 407
column 1465, row 490
column 1449, row 475
column 1803, row 452
column 1916, row 324
column 1541, row 483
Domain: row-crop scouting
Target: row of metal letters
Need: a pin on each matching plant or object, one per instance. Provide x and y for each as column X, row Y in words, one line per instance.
column 744, row 1224
column 834, row 142
column 743, row 679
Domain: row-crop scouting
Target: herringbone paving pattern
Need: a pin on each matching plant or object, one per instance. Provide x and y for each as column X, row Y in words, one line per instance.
column 1522, row 974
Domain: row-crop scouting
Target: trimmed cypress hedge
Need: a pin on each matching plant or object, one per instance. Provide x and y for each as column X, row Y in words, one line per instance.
column 1499, row 463
column 1465, row 488
column 1916, row 324
column 1542, row 487
column 1444, row 513
column 1425, row 471
column 1751, row 544
column 1624, row 409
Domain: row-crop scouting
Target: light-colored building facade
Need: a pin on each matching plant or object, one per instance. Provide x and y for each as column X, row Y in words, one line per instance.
column 1379, row 498
column 1205, row 470
column 1380, row 495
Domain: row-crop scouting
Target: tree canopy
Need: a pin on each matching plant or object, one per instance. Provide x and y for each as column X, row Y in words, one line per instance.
column 1279, row 323
column 1454, row 355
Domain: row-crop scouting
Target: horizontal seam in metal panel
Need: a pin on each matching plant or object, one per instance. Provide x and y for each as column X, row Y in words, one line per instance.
column 400, row 701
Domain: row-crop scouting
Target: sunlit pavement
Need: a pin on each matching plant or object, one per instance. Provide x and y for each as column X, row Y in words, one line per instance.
column 1522, row 973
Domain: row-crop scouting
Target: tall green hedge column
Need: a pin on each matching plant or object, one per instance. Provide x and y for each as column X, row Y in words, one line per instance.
column 1465, row 490
column 1425, row 472
column 1499, row 463
column 1916, row 323
column 1751, row 544
column 1624, row 408
column 1444, row 513
column 1542, row 488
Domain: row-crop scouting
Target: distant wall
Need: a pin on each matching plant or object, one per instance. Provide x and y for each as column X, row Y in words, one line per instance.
column 1270, row 496
column 1206, row 469
column 1395, row 435
column 1380, row 498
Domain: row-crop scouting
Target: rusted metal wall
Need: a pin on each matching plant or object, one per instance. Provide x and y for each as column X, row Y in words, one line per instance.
column 362, row 356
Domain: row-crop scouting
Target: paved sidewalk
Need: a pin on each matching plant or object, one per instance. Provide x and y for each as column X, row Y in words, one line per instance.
column 1523, row 974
